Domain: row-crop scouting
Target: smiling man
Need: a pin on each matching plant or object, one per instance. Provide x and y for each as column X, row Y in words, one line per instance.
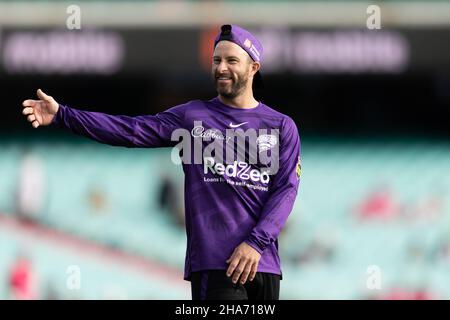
column 235, row 209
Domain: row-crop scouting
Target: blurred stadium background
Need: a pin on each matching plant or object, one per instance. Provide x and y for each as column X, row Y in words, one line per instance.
column 81, row 220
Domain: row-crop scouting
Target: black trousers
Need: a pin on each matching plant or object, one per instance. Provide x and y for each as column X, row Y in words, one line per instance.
column 215, row 285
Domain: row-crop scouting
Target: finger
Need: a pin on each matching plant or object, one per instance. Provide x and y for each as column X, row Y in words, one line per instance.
column 233, row 264
column 35, row 124
column 253, row 272
column 29, row 103
column 43, row 96
column 238, row 271
column 27, row 111
column 247, row 270
column 231, row 257
column 31, row 118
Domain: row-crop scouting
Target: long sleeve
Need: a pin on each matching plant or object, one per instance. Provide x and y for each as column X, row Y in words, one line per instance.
column 118, row 130
column 286, row 182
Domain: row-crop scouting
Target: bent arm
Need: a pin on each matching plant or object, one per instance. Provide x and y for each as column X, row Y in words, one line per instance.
column 280, row 203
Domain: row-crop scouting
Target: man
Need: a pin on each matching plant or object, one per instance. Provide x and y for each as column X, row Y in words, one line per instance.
column 235, row 210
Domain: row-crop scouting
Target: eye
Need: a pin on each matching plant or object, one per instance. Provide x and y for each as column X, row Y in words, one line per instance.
column 216, row 61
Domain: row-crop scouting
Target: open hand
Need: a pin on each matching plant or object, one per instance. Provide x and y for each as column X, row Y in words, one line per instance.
column 40, row 112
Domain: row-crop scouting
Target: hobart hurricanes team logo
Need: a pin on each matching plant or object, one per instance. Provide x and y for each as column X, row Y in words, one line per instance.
column 266, row 142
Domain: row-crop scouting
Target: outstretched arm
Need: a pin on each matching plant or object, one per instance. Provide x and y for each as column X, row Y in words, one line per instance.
column 142, row 131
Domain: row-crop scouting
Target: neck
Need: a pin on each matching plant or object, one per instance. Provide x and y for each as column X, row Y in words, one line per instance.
column 242, row 101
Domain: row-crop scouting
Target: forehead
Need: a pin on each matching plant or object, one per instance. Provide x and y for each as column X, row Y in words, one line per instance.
column 227, row 48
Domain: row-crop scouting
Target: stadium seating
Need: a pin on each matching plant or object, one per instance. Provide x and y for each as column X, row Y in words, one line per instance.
column 336, row 177
column 98, row 280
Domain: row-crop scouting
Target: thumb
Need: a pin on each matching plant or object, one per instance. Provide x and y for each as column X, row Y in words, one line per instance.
column 43, row 96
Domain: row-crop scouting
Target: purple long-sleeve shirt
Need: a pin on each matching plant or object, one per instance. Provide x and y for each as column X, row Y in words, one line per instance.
column 226, row 203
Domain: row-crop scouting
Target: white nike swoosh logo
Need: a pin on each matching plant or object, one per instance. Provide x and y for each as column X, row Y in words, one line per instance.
column 237, row 125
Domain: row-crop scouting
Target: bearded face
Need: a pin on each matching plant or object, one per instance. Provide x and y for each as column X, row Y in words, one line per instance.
column 231, row 69
column 231, row 84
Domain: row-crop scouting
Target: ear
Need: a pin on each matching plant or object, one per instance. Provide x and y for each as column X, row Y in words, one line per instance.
column 255, row 67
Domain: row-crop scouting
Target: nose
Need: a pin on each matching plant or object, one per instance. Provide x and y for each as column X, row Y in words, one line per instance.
column 222, row 67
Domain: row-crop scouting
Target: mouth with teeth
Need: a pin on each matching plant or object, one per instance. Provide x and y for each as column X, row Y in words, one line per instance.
column 223, row 79
column 228, row 84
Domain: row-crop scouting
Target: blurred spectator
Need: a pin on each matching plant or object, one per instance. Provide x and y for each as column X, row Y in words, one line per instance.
column 30, row 187
column 321, row 248
column 169, row 200
column 316, row 251
column 22, row 280
column 379, row 204
column 97, row 201
column 430, row 207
